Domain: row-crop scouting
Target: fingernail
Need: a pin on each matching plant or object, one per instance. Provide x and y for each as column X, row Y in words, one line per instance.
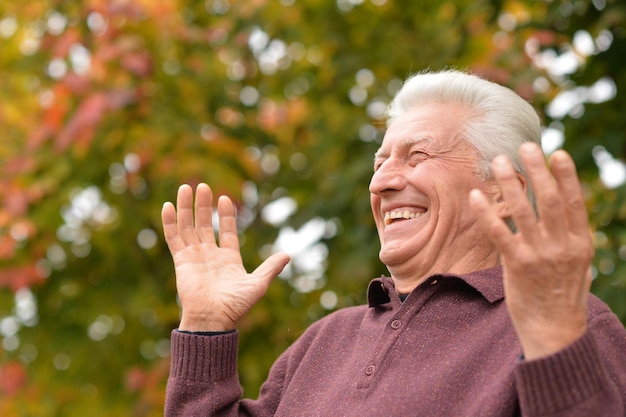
column 500, row 162
column 528, row 147
column 475, row 193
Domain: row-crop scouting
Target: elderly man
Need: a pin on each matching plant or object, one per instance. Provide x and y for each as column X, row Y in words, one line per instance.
column 486, row 312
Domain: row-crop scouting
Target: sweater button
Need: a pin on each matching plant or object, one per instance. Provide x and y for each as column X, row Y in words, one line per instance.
column 370, row 370
column 396, row 324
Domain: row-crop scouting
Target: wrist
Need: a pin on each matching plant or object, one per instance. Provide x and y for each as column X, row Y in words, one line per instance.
column 541, row 342
column 205, row 333
column 199, row 325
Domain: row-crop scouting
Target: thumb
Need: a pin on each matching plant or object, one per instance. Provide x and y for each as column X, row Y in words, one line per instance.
column 272, row 266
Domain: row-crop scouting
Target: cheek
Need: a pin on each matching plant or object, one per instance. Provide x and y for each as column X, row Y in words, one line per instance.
column 374, row 202
column 453, row 201
column 375, row 206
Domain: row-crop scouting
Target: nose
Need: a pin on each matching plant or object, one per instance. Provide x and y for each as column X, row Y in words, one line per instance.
column 388, row 177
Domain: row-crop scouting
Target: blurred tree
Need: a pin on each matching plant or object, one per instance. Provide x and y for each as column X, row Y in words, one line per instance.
column 107, row 106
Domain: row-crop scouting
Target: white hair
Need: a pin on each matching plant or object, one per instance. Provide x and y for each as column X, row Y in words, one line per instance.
column 499, row 120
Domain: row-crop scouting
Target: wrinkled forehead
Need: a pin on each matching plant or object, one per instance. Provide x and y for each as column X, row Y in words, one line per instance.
column 437, row 125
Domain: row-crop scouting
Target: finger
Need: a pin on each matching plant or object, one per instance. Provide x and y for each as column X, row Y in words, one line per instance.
column 228, row 223
column 571, row 191
column 549, row 200
column 204, row 214
column 515, row 198
column 488, row 219
column 184, row 214
column 170, row 228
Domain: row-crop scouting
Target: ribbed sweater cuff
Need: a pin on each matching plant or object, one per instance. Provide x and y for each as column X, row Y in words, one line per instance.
column 203, row 358
column 560, row 381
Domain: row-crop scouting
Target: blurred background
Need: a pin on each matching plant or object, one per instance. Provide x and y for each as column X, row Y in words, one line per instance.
column 107, row 106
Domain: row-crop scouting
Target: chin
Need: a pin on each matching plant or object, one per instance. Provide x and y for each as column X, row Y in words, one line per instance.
column 391, row 256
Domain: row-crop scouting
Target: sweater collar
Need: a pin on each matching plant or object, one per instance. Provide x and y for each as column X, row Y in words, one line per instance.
column 488, row 282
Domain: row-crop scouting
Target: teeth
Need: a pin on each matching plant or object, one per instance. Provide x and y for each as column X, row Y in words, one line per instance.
column 398, row 214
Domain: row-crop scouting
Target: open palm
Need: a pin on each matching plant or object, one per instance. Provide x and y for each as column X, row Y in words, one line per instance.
column 547, row 262
column 214, row 288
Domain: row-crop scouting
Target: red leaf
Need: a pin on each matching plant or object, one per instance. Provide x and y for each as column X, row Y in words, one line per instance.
column 139, row 63
column 545, row 37
column 64, row 42
column 19, row 277
column 19, row 164
column 7, row 249
column 120, row 98
column 136, row 379
column 16, row 200
column 82, row 124
column 12, row 378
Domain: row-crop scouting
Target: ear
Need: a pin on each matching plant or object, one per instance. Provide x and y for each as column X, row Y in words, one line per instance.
column 497, row 199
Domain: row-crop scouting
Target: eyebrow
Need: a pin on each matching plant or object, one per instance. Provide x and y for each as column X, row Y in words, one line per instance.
column 405, row 143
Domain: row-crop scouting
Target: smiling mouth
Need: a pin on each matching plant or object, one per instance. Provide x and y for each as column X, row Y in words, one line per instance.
column 398, row 215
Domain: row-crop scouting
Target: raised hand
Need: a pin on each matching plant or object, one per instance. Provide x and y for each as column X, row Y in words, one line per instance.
column 214, row 288
column 546, row 263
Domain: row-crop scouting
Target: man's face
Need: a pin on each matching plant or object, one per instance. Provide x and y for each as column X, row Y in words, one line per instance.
column 423, row 173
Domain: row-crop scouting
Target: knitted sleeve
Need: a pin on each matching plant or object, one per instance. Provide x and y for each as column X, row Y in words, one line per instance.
column 203, row 379
column 588, row 378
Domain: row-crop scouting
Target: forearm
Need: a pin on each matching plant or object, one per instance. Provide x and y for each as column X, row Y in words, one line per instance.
column 573, row 382
column 203, row 375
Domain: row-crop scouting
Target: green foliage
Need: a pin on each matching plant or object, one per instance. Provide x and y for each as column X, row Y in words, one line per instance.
column 108, row 106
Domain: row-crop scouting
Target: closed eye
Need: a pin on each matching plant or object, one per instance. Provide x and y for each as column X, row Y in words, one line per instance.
column 416, row 157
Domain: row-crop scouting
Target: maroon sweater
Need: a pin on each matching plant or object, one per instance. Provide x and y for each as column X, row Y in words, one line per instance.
column 448, row 350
